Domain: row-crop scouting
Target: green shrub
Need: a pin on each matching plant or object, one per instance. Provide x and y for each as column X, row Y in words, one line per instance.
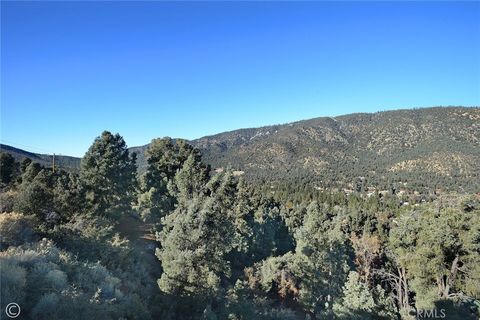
column 7, row 201
column 16, row 229
column 50, row 283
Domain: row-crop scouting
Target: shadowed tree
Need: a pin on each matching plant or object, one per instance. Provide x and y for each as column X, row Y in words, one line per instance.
column 35, row 196
column 8, row 169
column 68, row 195
column 108, row 175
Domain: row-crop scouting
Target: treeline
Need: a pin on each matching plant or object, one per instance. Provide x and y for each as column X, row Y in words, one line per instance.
column 424, row 182
column 226, row 249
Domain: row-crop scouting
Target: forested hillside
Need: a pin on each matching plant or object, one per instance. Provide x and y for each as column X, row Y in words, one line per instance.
column 419, row 149
column 432, row 147
column 239, row 160
column 180, row 241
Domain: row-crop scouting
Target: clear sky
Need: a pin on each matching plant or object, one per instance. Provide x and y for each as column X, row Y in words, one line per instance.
column 70, row 70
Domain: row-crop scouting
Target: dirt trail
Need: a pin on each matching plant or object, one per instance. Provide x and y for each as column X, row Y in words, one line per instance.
column 142, row 238
column 135, row 230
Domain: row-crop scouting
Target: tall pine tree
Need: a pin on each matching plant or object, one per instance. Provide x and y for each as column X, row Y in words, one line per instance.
column 108, row 175
column 164, row 157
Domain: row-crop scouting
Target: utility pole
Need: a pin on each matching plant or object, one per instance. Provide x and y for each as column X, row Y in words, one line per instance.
column 53, row 163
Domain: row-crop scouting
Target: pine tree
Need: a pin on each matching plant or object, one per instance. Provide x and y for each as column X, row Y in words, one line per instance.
column 35, row 196
column 360, row 302
column 8, row 169
column 324, row 257
column 108, row 175
column 68, row 195
column 196, row 240
column 190, row 181
column 30, row 172
column 24, row 164
column 194, row 246
column 435, row 246
column 164, row 157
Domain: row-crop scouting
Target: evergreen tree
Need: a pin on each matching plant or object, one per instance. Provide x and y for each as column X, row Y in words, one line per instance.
column 68, row 195
column 108, row 175
column 8, row 169
column 35, row 197
column 196, row 240
column 436, row 247
column 243, row 217
column 30, row 172
column 24, row 164
column 164, row 157
column 324, row 256
column 190, row 181
column 194, row 246
column 360, row 302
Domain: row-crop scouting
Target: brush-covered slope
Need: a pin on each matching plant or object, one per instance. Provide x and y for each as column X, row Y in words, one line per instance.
column 434, row 147
column 425, row 148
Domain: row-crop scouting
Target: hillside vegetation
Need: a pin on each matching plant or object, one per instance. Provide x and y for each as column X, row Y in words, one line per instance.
column 181, row 241
column 63, row 162
column 433, row 147
column 419, row 149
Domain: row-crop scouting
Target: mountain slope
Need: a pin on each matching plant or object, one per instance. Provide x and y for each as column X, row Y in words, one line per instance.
column 64, row 162
column 424, row 148
column 427, row 147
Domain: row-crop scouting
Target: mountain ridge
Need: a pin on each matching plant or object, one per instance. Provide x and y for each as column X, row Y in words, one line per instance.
column 409, row 142
column 430, row 144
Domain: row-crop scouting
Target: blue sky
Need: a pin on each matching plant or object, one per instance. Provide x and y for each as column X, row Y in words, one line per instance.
column 70, row 70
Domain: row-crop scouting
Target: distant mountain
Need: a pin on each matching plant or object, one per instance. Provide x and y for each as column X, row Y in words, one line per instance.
column 64, row 162
column 141, row 160
column 431, row 147
column 421, row 148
